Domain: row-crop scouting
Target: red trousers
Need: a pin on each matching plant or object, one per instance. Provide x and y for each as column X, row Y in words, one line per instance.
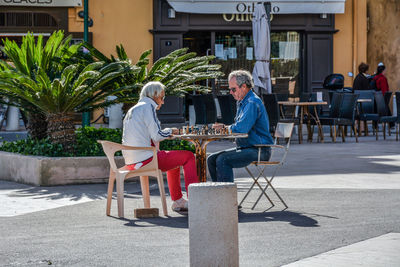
column 170, row 162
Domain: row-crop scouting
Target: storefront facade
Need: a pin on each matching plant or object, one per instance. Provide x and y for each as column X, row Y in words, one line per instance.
column 40, row 17
column 305, row 47
column 302, row 45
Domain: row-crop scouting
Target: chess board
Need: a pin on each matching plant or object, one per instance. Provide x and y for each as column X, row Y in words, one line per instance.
column 203, row 130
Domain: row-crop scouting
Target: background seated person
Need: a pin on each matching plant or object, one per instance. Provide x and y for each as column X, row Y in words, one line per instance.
column 361, row 82
column 252, row 119
column 142, row 128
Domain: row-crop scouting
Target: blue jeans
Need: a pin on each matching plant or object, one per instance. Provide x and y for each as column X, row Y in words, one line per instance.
column 221, row 163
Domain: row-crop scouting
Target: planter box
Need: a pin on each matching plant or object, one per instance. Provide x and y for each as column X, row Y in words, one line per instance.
column 37, row 170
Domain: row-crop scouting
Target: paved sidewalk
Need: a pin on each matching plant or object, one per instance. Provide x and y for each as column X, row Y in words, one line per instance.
column 378, row 251
column 338, row 195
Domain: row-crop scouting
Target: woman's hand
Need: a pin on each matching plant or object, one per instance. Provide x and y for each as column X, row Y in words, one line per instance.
column 175, row 131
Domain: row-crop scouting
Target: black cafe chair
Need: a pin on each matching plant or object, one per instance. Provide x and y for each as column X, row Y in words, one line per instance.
column 387, row 97
column 227, row 105
column 366, row 109
column 398, row 115
column 347, row 114
column 381, row 112
column 388, row 118
column 205, row 109
column 333, row 116
column 272, row 108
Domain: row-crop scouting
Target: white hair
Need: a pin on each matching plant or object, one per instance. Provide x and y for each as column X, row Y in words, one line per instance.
column 152, row 89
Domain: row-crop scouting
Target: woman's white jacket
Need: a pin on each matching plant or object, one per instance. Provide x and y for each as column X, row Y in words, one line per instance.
column 141, row 126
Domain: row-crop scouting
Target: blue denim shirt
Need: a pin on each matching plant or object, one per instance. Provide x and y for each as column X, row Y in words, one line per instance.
column 251, row 118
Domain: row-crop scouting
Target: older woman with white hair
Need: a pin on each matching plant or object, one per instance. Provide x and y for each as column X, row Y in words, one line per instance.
column 142, row 128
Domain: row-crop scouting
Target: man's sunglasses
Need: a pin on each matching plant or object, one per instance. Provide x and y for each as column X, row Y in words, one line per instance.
column 233, row 89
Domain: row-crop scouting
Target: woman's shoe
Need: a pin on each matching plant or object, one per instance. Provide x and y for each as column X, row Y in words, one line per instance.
column 180, row 205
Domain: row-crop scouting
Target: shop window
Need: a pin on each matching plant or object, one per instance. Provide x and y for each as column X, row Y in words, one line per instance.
column 20, row 19
column 2, row 19
column 26, row 19
column 44, row 20
column 285, row 63
column 233, row 51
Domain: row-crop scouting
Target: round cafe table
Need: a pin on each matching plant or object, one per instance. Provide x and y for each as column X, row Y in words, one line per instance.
column 200, row 142
column 304, row 110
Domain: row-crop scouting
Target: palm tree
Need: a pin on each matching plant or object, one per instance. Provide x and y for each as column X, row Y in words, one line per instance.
column 78, row 89
column 179, row 71
column 33, row 55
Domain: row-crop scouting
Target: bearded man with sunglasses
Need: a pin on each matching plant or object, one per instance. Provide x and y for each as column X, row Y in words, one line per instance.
column 252, row 119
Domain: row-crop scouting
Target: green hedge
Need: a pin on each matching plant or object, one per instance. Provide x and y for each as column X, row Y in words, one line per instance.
column 86, row 144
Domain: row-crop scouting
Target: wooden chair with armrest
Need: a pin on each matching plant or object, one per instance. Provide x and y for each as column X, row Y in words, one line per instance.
column 119, row 175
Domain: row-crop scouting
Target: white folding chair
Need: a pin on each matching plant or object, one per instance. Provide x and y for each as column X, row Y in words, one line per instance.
column 120, row 174
column 283, row 131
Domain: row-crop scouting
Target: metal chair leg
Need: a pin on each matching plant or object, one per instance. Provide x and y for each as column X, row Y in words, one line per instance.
column 273, row 188
column 355, row 133
column 384, row 130
column 255, row 183
column 269, row 184
column 343, row 138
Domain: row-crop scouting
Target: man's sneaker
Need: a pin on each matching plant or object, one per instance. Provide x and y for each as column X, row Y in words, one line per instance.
column 180, row 205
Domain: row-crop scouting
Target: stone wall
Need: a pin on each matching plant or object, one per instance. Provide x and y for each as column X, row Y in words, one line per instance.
column 384, row 39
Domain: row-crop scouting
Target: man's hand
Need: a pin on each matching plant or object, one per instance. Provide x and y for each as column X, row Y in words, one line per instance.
column 218, row 126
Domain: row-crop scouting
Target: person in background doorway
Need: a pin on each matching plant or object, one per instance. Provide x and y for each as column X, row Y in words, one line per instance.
column 142, row 129
column 361, row 82
column 380, row 79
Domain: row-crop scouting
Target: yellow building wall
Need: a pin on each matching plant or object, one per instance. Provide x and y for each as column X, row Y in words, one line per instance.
column 125, row 22
column 350, row 42
column 384, row 39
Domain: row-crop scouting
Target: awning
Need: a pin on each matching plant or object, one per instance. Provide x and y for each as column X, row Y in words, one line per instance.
column 41, row 3
column 277, row 6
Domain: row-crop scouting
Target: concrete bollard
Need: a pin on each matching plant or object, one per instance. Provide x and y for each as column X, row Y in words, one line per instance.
column 213, row 224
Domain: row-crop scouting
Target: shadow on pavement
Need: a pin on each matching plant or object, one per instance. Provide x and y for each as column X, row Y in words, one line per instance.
column 168, row 221
column 72, row 192
column 293, row 218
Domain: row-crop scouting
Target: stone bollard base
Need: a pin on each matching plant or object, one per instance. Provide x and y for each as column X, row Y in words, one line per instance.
column 213, row 224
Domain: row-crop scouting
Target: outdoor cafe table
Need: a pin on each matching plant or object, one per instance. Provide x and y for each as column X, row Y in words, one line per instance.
column 200, row 142
column 304, row 109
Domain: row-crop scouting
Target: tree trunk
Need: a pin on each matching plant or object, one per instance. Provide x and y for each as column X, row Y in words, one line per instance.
column 61, row 130
column 37, row 125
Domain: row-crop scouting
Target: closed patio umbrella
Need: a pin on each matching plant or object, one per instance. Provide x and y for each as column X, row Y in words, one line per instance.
column 262, row 50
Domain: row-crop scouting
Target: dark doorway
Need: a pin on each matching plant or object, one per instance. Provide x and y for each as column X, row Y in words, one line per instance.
column 198, row 42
